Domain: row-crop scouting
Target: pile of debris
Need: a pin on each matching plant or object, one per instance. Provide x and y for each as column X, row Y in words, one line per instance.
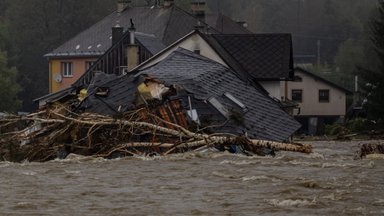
column 184, row 103
column 57, row 131
column 367, row 149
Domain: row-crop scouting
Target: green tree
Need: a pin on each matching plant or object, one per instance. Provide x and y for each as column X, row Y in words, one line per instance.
column 36, row 27
column 8, row 86
column 349, row 56
column 373, row 77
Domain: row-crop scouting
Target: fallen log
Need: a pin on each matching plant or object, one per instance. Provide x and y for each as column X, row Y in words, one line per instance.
column 59, row 130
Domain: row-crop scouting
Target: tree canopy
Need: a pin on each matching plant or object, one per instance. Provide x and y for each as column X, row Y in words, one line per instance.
column 9, row 89
column 374, row 76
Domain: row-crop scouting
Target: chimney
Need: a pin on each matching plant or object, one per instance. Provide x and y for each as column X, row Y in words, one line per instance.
column 122, row 5
column 132, row 49
column 132, row 31
column 168, row 3
column 198, row 9
column 117, row 33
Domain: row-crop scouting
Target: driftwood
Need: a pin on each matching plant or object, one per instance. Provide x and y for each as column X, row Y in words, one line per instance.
column 369, row 148
column 57, row 132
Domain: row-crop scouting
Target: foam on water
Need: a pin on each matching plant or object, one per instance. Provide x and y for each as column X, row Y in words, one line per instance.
column 74, row 158
column 291, row 202
column 29, row 173
column 5, row 164
column 315, row 155
column 72, row 171
column 340, row 164
column 305, row 163
column 375, row 156
column 242, row 162
column 261, row 177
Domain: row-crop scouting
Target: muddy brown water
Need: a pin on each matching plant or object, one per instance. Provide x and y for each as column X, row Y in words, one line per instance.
column 326, row 182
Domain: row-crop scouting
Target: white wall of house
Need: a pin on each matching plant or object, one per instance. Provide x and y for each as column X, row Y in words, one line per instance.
column 273, row 88
column 193, row 42
column 310, row 105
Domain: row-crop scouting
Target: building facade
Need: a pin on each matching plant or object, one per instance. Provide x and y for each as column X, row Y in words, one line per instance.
column 320, row 101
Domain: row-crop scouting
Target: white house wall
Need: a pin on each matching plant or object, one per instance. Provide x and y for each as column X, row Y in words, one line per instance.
column 194, row 42
column 273, row 88
column 310, row 105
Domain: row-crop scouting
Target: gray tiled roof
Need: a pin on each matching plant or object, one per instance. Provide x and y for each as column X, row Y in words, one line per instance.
column 122, row 93
column 258, row 56
column 166, row 24
column 205, row 78
column 98, row 38
column 150, row 42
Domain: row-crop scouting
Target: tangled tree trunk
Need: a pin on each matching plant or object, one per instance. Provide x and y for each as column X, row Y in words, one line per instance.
column 57, row 132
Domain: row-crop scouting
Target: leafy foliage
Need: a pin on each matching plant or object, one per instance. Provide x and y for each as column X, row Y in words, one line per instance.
column 374, row 77
column 36, row 27
column 9, row 88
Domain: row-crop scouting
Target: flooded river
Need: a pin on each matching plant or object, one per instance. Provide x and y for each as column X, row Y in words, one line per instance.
column 326, row 182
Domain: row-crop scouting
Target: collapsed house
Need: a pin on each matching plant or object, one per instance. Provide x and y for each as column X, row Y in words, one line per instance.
column 190, row 90
column 185, row 102
column 214, row 80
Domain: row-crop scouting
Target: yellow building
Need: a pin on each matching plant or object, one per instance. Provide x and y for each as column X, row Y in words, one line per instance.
column 64, row 72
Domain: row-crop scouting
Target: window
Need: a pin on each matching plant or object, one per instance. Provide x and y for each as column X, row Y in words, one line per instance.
column 323, row 95
column 297, row 95
column 66, row 69
column 88, row 64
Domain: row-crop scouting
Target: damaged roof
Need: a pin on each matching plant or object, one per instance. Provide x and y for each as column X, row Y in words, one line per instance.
column 206, row 79
column 257, row 56
column 165, row 24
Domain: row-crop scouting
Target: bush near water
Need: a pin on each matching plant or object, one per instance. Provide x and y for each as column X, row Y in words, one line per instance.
column 357, row 125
